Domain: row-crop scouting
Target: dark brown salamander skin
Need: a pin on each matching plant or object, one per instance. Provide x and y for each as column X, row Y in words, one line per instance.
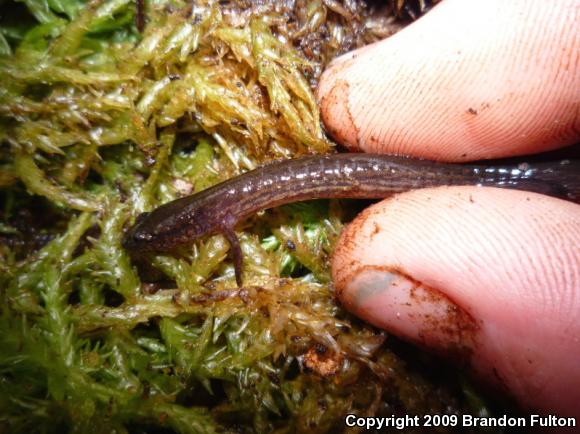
column 219, row 208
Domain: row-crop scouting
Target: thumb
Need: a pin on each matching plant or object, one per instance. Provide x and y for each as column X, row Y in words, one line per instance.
column 470, row 80
column 487, row 276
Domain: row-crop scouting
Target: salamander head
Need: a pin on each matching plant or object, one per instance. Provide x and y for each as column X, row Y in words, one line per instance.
column 165, row 228
column 139, row 237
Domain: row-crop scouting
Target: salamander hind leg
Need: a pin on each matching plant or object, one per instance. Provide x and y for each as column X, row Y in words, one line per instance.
column 236, row 251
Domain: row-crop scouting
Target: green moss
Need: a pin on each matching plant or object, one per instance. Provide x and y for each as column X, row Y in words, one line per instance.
column 99, row 123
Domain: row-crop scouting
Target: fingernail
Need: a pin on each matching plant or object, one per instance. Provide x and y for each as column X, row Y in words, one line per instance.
column 411, row 310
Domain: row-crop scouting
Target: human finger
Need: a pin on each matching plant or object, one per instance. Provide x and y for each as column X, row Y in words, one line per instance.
column 489, row 277
column 470, row 80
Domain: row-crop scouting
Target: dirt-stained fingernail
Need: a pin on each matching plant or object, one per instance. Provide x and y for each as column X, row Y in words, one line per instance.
column 414, row 311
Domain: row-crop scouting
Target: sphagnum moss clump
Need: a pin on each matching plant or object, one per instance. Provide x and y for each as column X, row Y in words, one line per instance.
column 99, row 123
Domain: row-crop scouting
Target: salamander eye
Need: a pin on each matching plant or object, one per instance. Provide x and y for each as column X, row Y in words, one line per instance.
column 136, row 236
column 142, row 236
column 136, row 240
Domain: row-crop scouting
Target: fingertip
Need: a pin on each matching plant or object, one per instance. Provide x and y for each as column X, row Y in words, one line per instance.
column 334, row 105
column 501, row 80
column 408, row 308
column 483, row 274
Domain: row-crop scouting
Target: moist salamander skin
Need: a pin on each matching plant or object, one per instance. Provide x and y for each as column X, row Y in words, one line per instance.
column 370, row 176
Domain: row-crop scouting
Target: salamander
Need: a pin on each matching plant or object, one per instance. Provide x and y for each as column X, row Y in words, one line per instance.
column 371, row 176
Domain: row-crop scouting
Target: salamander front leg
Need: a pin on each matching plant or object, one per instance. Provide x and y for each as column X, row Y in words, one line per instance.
column 237, row 254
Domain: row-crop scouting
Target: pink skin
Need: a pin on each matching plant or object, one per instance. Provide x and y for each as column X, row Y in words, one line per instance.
column 508, row 260
column 490, row 276
column 471, row 80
